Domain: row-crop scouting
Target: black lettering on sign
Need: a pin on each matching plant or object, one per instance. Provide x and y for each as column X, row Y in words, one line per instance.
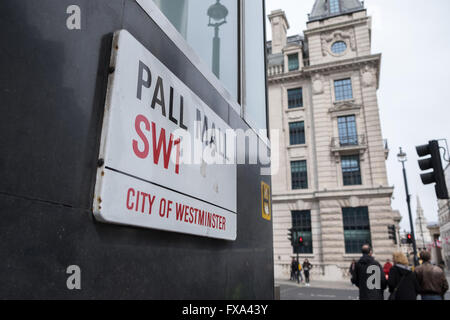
column 145, row 81
column 141, row 82
column 159, row 91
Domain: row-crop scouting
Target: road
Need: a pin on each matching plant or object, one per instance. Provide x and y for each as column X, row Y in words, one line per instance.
column 319, row 291
column 292, row 291
column 311, row 293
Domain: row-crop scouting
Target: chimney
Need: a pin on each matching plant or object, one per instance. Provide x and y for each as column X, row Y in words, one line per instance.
column 279, row 26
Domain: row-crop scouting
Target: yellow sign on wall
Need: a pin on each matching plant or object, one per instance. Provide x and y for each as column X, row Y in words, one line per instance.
column 265, row 201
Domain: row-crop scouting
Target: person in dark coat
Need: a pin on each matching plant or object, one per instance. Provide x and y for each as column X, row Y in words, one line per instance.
column 294, row 268
column 402, row 282
column 431, row 278
column 369, row 276
column 306, row 268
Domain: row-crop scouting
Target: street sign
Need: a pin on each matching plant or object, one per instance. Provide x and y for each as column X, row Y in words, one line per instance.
column 168, row 161
column 265, row 201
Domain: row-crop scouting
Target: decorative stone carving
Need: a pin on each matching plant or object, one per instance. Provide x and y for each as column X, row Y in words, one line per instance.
column 344, row 108
column 317, row 84
column 295, row 116
column 353, row 201
column 368, row 75
column 328, row 38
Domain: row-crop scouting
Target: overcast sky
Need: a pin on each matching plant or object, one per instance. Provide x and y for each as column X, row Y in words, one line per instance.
column 414, row 39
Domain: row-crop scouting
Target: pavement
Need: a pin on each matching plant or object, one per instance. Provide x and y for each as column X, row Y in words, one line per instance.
column 318, row 290
column 325, row 290
column 338, row 285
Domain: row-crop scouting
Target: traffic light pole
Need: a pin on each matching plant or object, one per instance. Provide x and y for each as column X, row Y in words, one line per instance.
column 408, row 200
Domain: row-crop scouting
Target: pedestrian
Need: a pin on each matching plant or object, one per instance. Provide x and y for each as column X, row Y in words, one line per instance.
column 351, row 270
column 300, row 272
column 431, row 279
column 387, row 267
column 368, row 276
column 296, row 272
column 294, row 267
column 402, row 282
column 306, row 267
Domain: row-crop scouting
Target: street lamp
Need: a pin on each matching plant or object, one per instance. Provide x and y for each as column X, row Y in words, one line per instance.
column 402, row 158
column 217, row 14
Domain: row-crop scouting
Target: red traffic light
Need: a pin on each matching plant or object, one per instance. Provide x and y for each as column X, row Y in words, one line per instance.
column 300, row 239
column 409, row 238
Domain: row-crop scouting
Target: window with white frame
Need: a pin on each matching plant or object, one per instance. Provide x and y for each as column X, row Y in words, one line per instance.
column 335, row 6
column 343, row 89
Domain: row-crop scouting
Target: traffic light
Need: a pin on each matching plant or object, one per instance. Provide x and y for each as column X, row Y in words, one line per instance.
column 434, row 162
column 392, row 233
column 290, row 236
column 300, row 241
column 409, row 238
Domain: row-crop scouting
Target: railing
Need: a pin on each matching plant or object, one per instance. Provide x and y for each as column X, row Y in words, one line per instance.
column 348, row 141
column 279, row 69
column 274, row 70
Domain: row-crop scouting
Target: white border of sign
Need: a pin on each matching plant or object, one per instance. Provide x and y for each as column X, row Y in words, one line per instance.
column 134, row 191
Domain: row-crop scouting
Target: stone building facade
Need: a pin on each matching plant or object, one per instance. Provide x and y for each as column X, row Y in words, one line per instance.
column 331, row 186
column 444, row 222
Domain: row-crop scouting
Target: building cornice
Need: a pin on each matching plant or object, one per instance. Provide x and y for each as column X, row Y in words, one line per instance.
column 333, row 194
column 373, row 60
column 334, row 26
column 287, row 77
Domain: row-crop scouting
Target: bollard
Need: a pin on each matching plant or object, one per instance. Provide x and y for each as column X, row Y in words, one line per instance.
column 277, row 292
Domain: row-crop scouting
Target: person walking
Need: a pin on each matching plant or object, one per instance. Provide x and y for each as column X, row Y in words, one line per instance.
column 306, row 267
column 431, row 279
column 368, row 276
column 294, row 268
column 352, row 267
column 387, row 267
column 402, row 282
column 300, row 272
column 296, row 272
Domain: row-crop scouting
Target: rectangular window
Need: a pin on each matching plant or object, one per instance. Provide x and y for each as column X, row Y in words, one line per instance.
column 334, row 6
column 347, row 131
column 343, row 89
column 295, row 98
column 299, row 175
column 351, row 171
column 356, row 228
column 296, row 133
column 293, row 62
column 301, row 227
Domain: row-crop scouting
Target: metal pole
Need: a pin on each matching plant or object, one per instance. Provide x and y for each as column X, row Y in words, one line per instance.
column 216, row 52
column 408, row 201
